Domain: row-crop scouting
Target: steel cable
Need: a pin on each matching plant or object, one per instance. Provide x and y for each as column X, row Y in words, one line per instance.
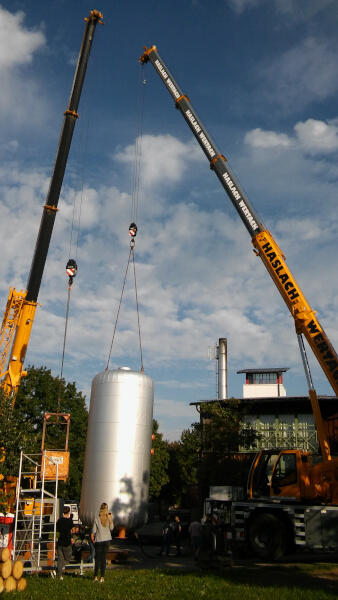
column 64, row 347
column 120, row 303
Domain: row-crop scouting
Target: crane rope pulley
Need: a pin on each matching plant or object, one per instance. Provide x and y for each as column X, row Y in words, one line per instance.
column 131, row 257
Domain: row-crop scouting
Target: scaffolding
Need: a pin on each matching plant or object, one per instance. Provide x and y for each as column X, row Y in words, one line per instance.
column 36, row 512
column 283, row 435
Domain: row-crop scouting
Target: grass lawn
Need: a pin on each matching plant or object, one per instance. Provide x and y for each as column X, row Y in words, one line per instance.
column 252, row 582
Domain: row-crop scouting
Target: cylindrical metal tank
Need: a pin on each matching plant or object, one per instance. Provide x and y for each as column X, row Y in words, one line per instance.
column 117, row 459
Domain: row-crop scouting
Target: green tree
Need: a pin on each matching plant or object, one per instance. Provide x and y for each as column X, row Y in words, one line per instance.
column 208, row 454
column 12, row 433
column 40, row 392
column 158, row 464
column 223, row 436
column 223, row 429
column 184, row 463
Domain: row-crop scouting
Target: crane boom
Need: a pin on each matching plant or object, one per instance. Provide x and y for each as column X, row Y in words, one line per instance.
column 21, row 328
column 264, row 244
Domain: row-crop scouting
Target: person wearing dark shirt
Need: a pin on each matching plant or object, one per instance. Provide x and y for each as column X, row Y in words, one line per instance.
column 177, row 531
column 64, row 526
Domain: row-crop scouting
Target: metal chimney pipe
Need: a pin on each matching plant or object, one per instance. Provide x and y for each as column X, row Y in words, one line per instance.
column 222, row 369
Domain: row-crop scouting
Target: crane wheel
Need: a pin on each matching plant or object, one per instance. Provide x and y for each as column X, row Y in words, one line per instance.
column 267, row 537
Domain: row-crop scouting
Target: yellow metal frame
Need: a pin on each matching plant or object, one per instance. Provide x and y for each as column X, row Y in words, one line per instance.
column 16, row 325
column 305, row 318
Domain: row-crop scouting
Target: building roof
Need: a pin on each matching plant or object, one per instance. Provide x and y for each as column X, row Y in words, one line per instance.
column 272, row 370
column 283, row 405
column 266, row 400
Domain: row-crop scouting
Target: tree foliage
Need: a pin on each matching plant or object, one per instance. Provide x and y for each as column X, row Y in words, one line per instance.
column 223, row 428
column 208, row 454
column 40, row 392
column 159, row 463
column 184, row 464
column 223, row 436
column 12, row 433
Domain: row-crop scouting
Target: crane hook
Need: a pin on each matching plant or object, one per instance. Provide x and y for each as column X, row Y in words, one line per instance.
column 132, row 230
column 71, row 270
column 132, row 233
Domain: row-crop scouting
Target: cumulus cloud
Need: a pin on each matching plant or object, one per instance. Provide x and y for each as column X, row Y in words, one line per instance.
column 312, row 136
column 306, row 73
column 197, row 280
column 317, row 136
column 19, row 88
column 17, row 43
column 257, row 138
column 164, row 158
column 174, row 412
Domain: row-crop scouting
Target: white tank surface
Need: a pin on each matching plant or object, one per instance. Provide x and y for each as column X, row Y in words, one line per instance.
column 117, row 459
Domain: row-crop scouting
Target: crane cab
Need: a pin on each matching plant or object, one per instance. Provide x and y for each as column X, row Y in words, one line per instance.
column 278, row 473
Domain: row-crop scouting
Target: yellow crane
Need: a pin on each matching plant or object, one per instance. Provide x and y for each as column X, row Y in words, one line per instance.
column 285, row 487
column 21, row 305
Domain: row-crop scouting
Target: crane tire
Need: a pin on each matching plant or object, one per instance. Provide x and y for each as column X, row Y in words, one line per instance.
column 267, row 536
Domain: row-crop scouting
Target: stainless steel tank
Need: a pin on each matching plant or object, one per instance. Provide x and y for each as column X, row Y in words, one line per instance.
column 117, row 459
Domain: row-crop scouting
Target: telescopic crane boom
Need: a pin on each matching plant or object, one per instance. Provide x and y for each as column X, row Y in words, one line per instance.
column 265, row 246
column 21, row 306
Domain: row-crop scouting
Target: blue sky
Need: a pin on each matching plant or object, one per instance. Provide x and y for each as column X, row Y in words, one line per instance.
column 262, row 76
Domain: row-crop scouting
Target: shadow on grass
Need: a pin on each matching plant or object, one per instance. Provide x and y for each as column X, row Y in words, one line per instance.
column 285, row 577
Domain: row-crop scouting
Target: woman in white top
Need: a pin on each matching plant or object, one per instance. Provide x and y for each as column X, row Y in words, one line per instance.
column 101, row 537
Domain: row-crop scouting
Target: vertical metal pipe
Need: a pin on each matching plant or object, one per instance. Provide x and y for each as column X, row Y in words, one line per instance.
column 55, row 507
column 222, row 369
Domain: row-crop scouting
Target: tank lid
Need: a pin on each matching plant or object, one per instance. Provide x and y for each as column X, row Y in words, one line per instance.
column 124, row 369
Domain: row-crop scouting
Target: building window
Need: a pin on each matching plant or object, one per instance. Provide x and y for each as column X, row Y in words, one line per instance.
column 262, row 378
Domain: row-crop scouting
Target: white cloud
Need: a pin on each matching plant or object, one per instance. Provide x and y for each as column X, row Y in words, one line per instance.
column 163, row 160
column 174, row 416
column 316, row 136
column 240, row 6
column 197, row 278
column 257, row 138
column 302, row 9
column 17, row 44
column 182, row 385
column 311, row 136
column 19, row 88
column 306, row 73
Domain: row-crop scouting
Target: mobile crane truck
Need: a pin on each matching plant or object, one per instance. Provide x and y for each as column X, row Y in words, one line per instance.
column 291, row 496
column 21, row 305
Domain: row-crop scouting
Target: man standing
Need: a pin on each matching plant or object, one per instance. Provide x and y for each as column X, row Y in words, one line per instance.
column 177, row 531
column 195, row 532
column 64, row 526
